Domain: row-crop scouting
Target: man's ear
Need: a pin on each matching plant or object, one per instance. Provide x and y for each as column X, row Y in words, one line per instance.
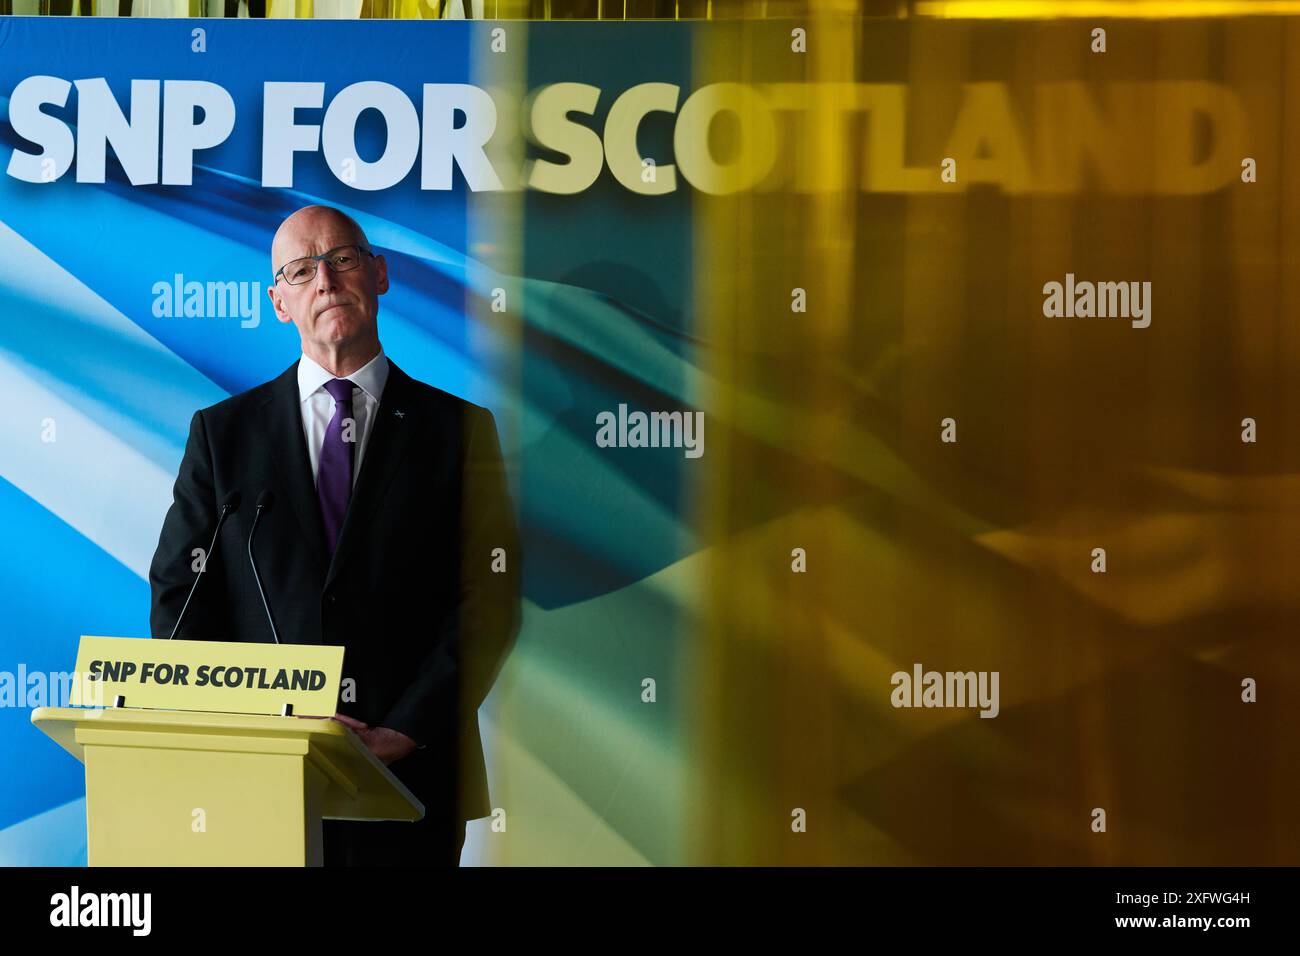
column 280, row 314
column 381, row 275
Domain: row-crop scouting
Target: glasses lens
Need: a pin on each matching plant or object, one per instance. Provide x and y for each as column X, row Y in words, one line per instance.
column 299, row 271
column 343, row 258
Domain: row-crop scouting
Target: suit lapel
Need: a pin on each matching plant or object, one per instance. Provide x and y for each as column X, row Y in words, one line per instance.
column 282, row 418
column 385, row 448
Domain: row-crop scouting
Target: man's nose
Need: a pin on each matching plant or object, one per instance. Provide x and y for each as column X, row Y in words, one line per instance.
column 325, row 277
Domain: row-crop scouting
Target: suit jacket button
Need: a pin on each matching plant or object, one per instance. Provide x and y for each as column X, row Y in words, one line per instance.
column 332, row 598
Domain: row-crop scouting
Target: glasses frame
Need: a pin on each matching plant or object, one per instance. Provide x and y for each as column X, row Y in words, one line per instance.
column 323, row 257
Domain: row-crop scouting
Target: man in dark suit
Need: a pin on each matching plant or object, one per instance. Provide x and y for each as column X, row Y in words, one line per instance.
column 391, row 533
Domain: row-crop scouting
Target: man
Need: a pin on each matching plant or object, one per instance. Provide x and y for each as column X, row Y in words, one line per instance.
column 391, row 534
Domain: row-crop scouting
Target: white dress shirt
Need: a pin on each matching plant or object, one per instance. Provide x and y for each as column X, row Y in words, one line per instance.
column 318, row 405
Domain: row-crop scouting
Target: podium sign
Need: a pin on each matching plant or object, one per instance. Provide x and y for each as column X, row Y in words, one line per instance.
column 208, row 676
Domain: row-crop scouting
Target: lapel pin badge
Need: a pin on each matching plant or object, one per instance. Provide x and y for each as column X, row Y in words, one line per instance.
column 398, row 413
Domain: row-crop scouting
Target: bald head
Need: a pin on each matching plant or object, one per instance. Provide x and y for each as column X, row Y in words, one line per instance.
column 309, row 227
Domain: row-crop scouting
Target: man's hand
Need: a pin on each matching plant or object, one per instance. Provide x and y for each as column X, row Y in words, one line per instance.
column 386, row 744
column 352, row 722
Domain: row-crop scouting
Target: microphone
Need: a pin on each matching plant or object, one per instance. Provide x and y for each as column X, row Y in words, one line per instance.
column 229, row 505
column 265, row 502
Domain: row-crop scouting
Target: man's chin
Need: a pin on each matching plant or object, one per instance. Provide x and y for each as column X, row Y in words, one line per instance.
column 339, row 325
column 336, row 314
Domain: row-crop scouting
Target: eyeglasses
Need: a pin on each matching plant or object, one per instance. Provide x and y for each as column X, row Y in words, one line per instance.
column 339, row 259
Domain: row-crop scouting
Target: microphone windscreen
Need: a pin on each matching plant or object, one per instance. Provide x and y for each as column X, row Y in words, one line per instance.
column 266, row 499
column 231, row 502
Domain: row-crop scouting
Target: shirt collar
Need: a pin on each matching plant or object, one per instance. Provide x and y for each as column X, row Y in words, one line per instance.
column 370, row 378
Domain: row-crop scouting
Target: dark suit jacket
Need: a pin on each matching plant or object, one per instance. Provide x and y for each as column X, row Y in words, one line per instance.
column 410, row 591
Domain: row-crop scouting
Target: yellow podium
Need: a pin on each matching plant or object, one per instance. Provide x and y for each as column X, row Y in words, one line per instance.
column 183, row 788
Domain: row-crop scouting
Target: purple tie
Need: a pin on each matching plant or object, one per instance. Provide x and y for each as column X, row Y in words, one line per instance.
column 334, row 471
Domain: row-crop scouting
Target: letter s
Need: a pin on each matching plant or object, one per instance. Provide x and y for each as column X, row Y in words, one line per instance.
column 51, row 134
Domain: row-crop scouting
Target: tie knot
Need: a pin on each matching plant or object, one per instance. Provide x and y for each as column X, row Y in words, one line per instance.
column 340, row 389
